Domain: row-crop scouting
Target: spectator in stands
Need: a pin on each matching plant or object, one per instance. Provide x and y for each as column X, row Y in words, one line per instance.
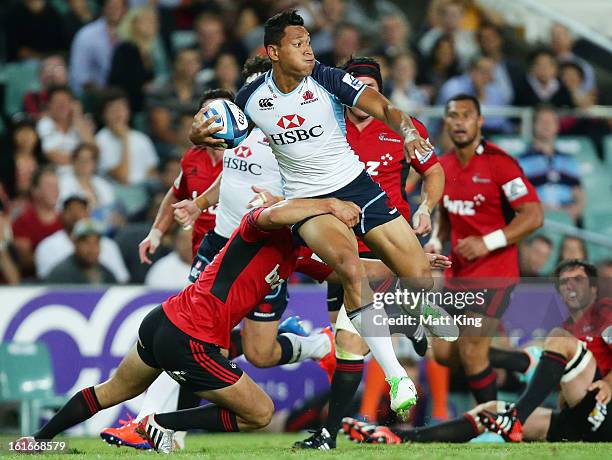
column 139, row 58
column 32, row 30
column 52, row 72
column 39, row 220
column 227, row 73
column 56, row 247
column 126, row 155
column 440, row 66
column 507, row 73
column 78, row 15
column 83, row 267
column 19, row 161
column 541, row 85
column 572, row 76
column 403, row 90
column 534, row 255
column 395, row 34
column 172, row 270
column 330, row 15
column 450, row 14
column 572, row 248
column 346, row 44
column 63, row 126
column 249, row 29
column 479, row 81
column 168, row 99
column 212, row 41
column 9, row 272
column 83, row 181
column 182, row 142
column 562, row 44
column 554, row 174
column 92, row 49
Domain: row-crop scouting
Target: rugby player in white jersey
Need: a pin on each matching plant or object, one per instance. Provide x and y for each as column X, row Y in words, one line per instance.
column 299, row 107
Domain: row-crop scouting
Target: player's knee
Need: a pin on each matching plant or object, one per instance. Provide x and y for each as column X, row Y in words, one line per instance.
column 350, row 345
column 422, row 279
column 348, row 267
column 560, row 342
column 262, row 415
column 259, row 357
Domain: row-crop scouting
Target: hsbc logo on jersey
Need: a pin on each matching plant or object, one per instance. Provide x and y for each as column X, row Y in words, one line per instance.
column 290, row 121
column 243, row 152
column 293, row 135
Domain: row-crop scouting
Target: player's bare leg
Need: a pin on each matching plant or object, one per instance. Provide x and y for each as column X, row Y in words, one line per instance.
column 132, row 377
column 243, row 406
column 264, row 347
column 398, row 247
column 336, row 245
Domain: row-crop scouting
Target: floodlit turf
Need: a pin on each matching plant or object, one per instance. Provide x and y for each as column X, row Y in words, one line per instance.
column 278, row 446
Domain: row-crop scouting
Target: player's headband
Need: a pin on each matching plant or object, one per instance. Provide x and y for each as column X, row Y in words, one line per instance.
column 366, row 70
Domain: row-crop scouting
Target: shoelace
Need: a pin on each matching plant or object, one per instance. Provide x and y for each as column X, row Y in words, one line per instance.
column 317, row 438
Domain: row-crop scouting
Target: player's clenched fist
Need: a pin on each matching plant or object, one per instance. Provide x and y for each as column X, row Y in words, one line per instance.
column 186, row 212
column 346, row 211
column 471, row 247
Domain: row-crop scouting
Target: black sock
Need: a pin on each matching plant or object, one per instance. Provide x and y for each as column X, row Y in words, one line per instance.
column 187, row 399
column 81, row 406
column 343, row 388
column 210, row 418
column 235, row 348
column 459, row 430
column 546, row 377
column 483, row 385
column 286, row 349
column 511, row 360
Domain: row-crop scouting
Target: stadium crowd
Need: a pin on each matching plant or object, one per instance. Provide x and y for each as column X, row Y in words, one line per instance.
column 89, row 155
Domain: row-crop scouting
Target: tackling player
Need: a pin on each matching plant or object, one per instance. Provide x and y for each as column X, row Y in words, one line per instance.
column 299, row 106
column 577, row 357
column 487, row 207
column 382, row 152
column 184, row 336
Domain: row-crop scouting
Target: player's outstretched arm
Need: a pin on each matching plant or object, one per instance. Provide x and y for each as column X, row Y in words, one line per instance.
column 431, row 192
column 289, row 212
column 163, row 221
column 186, row 212
column 378, row 106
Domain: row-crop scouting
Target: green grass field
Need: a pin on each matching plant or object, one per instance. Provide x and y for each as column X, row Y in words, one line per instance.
column 277, row 446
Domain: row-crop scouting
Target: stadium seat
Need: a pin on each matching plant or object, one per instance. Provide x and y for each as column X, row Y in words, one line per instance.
column 608, row 151
column 19, row 78
column 26, row 377
column 584, row 150
column 514, row 145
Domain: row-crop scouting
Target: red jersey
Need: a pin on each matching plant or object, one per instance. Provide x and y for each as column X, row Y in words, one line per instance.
column 382, row 152
column 29, row 226
column 594, row 327
column 480, row 198
column 250, row 265
column 197, row 174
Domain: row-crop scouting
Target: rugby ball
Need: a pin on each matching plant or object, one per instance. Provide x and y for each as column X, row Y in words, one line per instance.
column 232, row 120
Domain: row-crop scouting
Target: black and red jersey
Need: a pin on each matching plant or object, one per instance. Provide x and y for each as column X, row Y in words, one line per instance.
column 593, row 327
column 480, row 198
column 382, row 151
column 252, row 263
column 197, row 174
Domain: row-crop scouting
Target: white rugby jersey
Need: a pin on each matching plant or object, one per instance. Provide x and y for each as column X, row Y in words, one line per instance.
column 251, row 163
column 306, row 128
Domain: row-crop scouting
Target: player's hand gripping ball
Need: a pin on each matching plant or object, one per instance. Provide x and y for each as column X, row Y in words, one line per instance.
column 233, row 122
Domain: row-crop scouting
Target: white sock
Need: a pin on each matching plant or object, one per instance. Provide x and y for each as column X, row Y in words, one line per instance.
column 162, row 396
column 381, row 348
column 314, row 347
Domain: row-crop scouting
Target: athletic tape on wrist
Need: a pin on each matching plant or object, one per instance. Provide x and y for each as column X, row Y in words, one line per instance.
column 495, row 240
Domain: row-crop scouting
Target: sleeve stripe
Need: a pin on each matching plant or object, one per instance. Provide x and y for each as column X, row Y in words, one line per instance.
column 358, row 94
